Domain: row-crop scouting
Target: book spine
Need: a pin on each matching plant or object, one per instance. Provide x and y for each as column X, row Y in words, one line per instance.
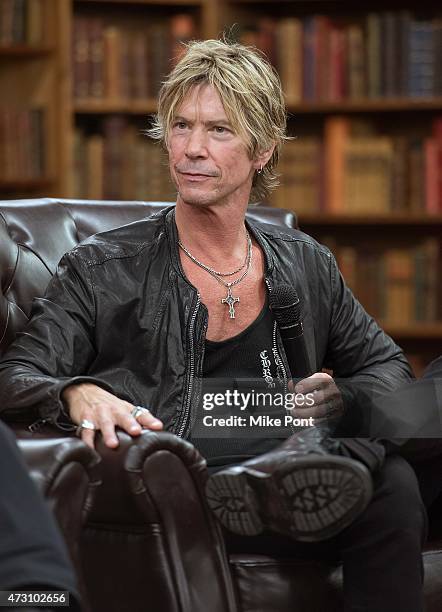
column 6, row 22
column 373, row 29
column 96, row 58
column 139, row 83
column 431, row 177
column 289, row 45
column 81, row 58
column 437, row 133
column 356, row 65
column 34, row 22
column 335, row 137
column 415, row 176
column 308, row 63
column 421, row 59
column 112, row 54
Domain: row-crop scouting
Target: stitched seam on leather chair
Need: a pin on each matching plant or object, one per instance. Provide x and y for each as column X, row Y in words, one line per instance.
column 7, row 320
column 18, row 307
column 66, row 209
column 268, row 566
column 131, row 529
column 13, row 271
column 28, row 248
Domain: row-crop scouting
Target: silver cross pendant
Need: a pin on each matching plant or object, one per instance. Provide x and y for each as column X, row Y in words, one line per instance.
column 230, row 300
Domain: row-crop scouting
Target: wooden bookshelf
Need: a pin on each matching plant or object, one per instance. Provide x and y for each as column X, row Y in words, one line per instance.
column 417, row 331
column 390, row 105
column 34, row 77
column 26, row 51
column 76, row 127
column 405, row 220
column 129, row 107
column 27, row 186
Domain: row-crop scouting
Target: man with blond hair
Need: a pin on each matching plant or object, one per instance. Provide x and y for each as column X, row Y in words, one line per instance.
column 142, row 320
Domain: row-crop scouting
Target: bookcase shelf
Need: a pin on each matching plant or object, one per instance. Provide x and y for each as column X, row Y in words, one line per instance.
column 102, row 107
column 26, row 186
column 347, row 106
column 416, row 331
column 392, row 219
column 26, row 51
column 171, row 3
column 368, row 106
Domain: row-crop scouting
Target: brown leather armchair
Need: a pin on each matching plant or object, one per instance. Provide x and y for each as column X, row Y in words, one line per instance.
column 67, row 473
column 150, row 543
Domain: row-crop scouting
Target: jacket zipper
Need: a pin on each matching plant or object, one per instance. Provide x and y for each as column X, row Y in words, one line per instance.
column 36, row 425
column 192, row 369
column 279, row 362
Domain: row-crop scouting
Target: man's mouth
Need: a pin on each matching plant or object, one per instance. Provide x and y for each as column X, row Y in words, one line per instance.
column 195, row 172
column 195, row 176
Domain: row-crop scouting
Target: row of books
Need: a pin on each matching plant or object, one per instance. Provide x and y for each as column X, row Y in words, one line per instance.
column 383, row 55
column 398, row 285
column 127, row 60
column 21, row 22
column 120, row 163
column 22, row 147
column 353, row 170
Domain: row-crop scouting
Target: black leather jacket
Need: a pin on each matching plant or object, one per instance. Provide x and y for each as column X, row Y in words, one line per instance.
column 120, row 312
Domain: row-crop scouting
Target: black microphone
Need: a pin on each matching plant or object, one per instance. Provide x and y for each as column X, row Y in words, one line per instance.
column 286, row 307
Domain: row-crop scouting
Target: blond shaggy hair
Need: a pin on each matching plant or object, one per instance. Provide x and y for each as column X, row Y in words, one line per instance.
column 250, row 91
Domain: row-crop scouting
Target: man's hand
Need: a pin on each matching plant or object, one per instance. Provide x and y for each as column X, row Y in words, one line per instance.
column 105, row 411
column 327, row 397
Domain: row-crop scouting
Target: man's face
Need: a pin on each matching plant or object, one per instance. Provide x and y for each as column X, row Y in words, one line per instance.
column 209, row 163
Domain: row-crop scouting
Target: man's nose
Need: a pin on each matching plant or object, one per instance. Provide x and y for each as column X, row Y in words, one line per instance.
column 196, row 145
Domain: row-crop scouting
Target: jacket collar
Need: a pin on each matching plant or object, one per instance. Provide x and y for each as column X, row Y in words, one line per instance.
column 172, row 236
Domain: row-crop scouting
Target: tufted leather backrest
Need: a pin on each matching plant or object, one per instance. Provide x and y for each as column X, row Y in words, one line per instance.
column 34, row 234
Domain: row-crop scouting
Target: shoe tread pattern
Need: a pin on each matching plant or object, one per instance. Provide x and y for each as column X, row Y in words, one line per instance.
column 233, row 503
column 323, row 500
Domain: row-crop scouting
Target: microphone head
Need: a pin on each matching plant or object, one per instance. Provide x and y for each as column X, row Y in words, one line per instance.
column 284, row 302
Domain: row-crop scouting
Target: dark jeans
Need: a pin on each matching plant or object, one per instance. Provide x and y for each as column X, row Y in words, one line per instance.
column 380, row 551
column 32, row 552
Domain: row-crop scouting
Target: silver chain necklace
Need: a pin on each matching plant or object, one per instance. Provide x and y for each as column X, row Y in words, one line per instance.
column 230, row 300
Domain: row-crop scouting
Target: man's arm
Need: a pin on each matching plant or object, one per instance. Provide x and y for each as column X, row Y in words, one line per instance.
column 365, row 361
column 42, row 375
column 54, row 349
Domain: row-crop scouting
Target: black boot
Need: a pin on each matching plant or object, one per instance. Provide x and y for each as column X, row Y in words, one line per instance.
column 308, row 488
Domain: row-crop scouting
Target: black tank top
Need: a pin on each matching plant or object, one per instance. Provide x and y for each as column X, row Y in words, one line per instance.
column 244, row 363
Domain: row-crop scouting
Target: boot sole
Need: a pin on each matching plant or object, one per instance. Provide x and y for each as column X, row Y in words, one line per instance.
column 312, row 498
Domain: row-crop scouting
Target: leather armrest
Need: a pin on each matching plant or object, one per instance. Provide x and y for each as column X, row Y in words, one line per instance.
column 166, row 476
column 67, row 473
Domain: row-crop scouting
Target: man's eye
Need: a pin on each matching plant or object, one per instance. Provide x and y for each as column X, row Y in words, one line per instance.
column 220, row 129
column 180, row 125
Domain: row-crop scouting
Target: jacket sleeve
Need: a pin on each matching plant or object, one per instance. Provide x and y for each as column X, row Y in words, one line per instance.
column 366, row 363
column 54, row 350
column 434, row 369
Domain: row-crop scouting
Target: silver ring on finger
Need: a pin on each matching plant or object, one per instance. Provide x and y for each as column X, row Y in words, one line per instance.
column 85, row 424
column 137, row 411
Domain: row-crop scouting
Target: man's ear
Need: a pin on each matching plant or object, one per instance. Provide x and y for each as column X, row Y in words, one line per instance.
column 263, row 157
